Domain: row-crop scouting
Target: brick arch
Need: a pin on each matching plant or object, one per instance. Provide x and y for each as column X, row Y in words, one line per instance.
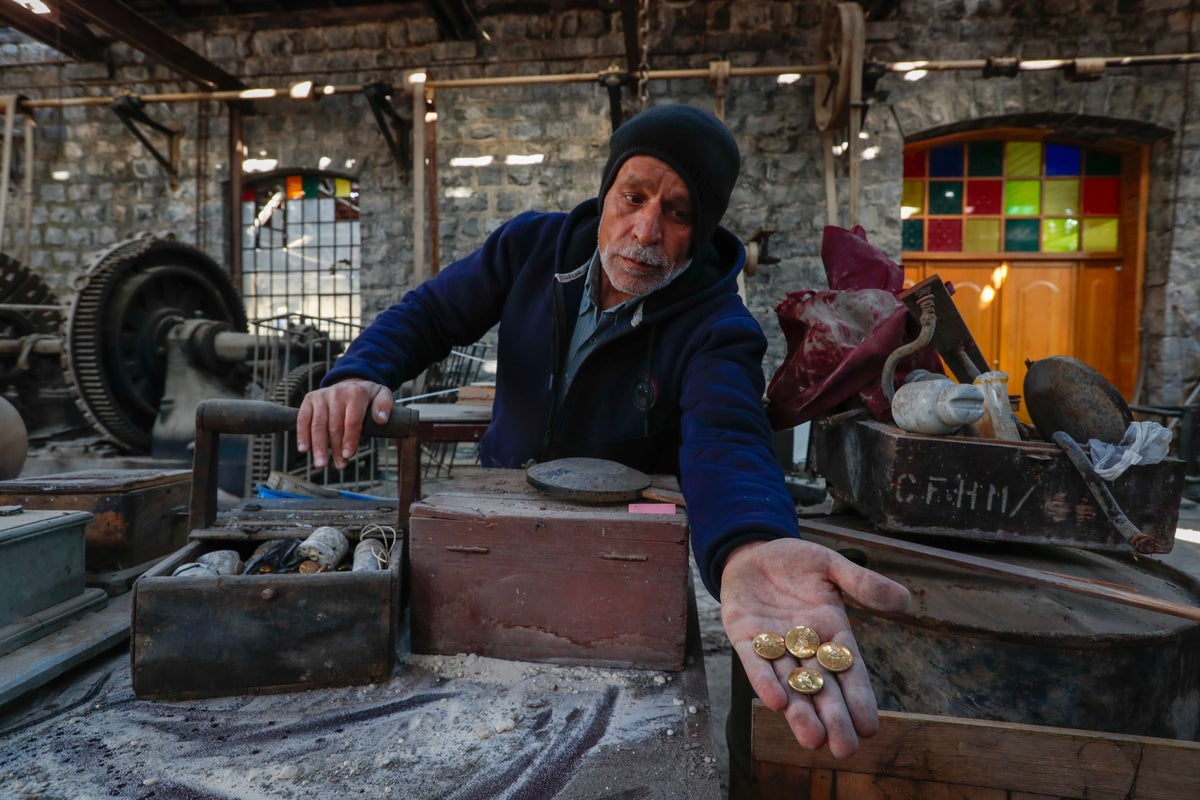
column 1081, row 127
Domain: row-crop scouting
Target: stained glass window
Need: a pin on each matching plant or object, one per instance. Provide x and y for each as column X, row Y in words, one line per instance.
column 1011, row 196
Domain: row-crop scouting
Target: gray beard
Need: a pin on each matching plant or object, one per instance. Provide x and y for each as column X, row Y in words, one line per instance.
column 639, row 285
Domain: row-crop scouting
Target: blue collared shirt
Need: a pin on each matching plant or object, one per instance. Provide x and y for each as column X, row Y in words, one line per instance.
column 591, row 323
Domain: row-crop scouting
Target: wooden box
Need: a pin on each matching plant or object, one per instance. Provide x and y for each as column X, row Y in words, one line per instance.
column 256, row 634
column 988, row 489
column 501, row 570
column 918, row 756
column 138, row 515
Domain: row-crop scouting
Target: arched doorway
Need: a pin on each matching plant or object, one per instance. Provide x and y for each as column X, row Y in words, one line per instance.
column 1042, row 237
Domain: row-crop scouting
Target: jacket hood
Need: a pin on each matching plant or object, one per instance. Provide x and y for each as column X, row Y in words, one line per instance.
column 714, row 268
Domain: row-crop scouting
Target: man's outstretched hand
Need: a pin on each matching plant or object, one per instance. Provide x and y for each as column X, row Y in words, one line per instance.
column 331, row 419
column 774, row 586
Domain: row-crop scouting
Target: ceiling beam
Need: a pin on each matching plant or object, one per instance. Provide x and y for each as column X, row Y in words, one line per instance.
column 454, row 19
column 62, row 34
column 123, row 23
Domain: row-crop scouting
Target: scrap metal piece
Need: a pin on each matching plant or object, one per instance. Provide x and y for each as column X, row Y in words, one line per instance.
column 951, row 337
column 1065, row 394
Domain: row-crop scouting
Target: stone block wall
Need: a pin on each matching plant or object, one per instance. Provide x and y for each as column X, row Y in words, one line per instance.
column 117, row 190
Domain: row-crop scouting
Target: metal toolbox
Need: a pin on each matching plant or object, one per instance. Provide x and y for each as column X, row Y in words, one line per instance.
column 138, row 515
column 988, row 489
column 41, row 573
column 256, row 634
column 501, row 570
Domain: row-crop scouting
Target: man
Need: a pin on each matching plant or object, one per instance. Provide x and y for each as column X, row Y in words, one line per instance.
column 622, row 336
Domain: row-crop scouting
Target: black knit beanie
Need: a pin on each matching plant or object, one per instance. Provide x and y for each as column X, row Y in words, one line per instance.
column 690, row 141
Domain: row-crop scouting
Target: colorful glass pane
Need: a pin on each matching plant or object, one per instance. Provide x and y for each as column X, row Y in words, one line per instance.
column 1060, row 196
column 1060, row 235
column 982, row 236
column 945, row 197
column 984, row 197
column 914, row 199
column 294, row 186
column 1101, row 234
column 1102, row 196
column 913, row 234
column 945, row 235
column 1022, row 159
column 312, row 186
column 985, row 159
column 1022, row 198
column 914, row 165
column 946, row 162
column 1100, row 163
column 1062, row 159
column 1021, row 235
column 341, row 187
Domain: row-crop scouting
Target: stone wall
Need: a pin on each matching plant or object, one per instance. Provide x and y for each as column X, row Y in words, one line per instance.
column 117, row 190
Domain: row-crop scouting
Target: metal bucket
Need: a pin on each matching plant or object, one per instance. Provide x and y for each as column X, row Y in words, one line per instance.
column 983, row 647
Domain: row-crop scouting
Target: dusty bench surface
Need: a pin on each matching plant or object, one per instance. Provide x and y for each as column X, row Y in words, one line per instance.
column 460, row 726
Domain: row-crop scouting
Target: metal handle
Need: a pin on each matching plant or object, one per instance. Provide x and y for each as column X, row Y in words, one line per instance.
column 261, row 417
column 217, row 416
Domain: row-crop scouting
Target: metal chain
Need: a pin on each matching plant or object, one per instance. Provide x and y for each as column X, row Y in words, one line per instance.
column 643, row 84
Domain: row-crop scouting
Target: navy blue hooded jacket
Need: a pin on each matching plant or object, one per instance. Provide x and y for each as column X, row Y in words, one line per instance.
column 674, row 389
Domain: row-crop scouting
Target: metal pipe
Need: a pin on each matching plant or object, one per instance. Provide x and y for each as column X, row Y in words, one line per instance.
column 28, row 187
column 1029, row 65
column 418, row 182
column 38, row 345
column 10, row 109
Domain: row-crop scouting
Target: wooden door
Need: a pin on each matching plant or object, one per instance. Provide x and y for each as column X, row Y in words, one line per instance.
column 1027, row 310
column 1037, row 308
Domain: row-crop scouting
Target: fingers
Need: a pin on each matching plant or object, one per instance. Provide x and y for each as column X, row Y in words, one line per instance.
column 762, row 676
column 867, row 588
column 381, row 405
column 329, row 423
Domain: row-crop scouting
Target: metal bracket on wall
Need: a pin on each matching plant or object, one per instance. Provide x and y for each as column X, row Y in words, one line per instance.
column 611, row 79
column 379, row 97
column 130, row 109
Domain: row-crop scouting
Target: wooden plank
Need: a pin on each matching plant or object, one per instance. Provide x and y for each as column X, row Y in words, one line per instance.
column 780, row 781
column 1015, row 572
column 1058, row 762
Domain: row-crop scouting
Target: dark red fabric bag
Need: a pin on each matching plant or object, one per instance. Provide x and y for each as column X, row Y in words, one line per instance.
column 838, row 339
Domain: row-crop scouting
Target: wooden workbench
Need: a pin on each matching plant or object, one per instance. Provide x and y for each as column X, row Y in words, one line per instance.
column 460, row 727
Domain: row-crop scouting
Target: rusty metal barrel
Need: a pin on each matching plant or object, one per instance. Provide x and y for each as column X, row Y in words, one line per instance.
column 972, row 645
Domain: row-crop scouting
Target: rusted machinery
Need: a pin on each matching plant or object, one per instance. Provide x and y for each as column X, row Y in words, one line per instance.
column 152, row 327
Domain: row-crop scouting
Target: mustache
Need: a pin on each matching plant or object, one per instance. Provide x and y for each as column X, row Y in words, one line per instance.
column 654, row 256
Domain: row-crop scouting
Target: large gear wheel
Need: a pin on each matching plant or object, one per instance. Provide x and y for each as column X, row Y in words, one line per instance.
column 114, row 334
column 19, row 286
column 34, row 386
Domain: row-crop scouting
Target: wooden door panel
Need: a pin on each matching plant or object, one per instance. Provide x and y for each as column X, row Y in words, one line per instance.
column 1097, row 325
column 1037, row 317
column 1034, row 309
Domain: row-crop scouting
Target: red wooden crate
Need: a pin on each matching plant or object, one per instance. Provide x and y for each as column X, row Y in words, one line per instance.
column 500, row 570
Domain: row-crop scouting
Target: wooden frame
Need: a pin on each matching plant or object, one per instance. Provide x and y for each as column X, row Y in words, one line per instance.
column 926, row 757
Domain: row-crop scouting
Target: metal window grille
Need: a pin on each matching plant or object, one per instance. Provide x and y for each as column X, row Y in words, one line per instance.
column 301, row 243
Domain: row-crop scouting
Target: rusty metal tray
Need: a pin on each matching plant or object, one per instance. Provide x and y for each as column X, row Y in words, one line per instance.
column 988, row 489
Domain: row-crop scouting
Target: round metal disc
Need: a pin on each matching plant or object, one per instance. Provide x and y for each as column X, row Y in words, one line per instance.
column 587, row 480
column 1065, row 394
